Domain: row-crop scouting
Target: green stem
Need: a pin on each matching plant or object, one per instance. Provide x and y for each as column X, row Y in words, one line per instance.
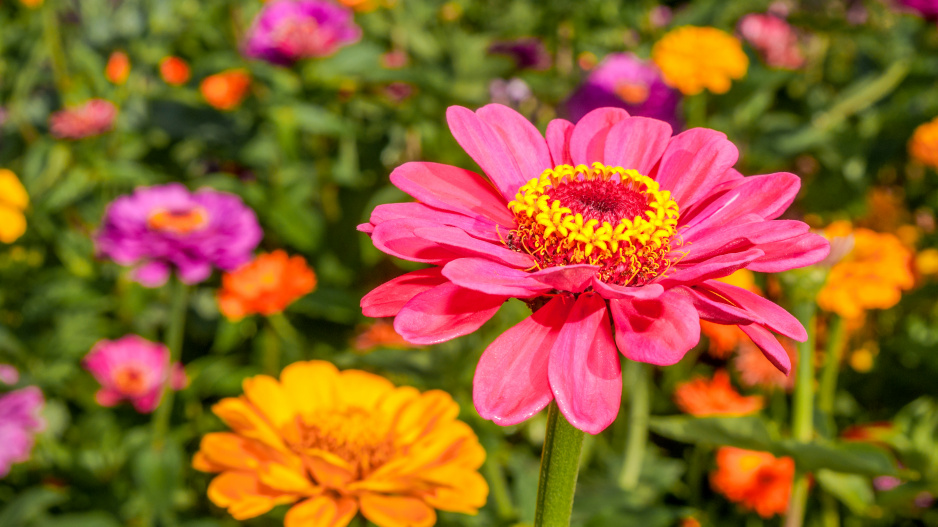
column 803, row 413
column 828, row 384
column 830, row 513
column 272, row 351
column 499, row 489
column 636, row 376
column 53, row 41
column 695, row 108
column 560, row 464
column 174, row 337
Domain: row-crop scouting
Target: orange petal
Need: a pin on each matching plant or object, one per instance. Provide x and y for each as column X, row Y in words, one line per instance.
column 433, row 407
column 462, row 491
column 245, row 420
column 397, row 511
column 244, row 496
column 362, row 389
column 328, row 469
column 286, row 479
column 203, row 463
column 322, row 511
column 266, row 394
column 230, row 451
column 311, row 386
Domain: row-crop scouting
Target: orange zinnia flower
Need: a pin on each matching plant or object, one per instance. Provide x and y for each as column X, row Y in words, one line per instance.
column 227, row 89
column 336, row 443
column 174, row 71
column 923, row 145
column 266, row 285
column 756, row 371
column 714, row 397
column 118, row 68
column 871, row 276
column 756, row 480
column 381, row 333
column 693, row 59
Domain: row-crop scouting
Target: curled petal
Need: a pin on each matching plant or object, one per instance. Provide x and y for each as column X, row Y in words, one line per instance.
column 694, row 162
column 588, row 140
column 766, row 312
column 658, row 331
column 806, row 249
column 493, row 278
column 396, row 511
column 610, row 291
column 445, row 312
column 558, row 141
column 573, row 278
column 387, row 299
column 769, row 345
column 476, row 226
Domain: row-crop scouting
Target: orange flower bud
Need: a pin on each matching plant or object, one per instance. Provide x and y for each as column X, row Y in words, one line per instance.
column 227, row 89
column 118, row 68
column 174, row 71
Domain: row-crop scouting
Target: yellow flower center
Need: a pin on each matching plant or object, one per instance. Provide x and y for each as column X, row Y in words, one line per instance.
column 178, row 221
column 612, row 217
column 354, row 435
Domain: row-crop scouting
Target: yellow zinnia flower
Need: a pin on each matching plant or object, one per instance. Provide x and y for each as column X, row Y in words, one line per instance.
column 338, row 443
column 923, row 146
column 871, row 276
column 693, row 58
column 13, row 201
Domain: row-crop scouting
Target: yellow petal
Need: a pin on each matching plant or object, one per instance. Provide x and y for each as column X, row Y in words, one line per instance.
column 311, row 386
column 241, row 416
column 286, row 479
column 322, row 511
column 362, row 389
column 464, row 491
column 12, row 193
column 328, row 469
column 266, row 394
column 434, row 407
column 12, row 224
column 396, row 511
column 244, row 496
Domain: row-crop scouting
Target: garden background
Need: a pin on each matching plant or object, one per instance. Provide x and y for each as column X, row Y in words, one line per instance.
column 834, row 96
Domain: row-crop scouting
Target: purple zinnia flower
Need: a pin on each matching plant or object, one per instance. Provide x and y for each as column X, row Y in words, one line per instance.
column 926, row 8
column 157, row 228
column 8, row 374
column 528, row 53
column 19, row 422
column 288, row 30
column 622, row 80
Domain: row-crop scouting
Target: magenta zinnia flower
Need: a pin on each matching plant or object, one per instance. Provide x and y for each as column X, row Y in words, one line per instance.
column 622, row 80
column 926, row 8
column 611, row 222
column 19, row 422
column 774, row 39
column 288, row 30
column 92, row 118
column 133, row 369
column 165, row 226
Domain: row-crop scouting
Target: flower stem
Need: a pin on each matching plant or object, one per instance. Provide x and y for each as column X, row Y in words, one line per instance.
column 828, row 383
column 803, row 413
column 560, row 464
column 174, row 337
column 636, row 374
column 53, row 41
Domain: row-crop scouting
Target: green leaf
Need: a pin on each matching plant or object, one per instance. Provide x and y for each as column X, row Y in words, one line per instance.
column 747, row 432
column 849, row 457
column 853, row 490
column 30, row 505
column 87, row 519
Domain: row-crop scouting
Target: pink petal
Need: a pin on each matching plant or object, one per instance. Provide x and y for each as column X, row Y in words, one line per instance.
column 108, row 397
column 445, row 312
column 807, row 249
column 584, row 368
column 148, row 402
column 454, row 189
column 523, row 139
column 152, row 274
column 637, row 143
column 457, row 241
column 767, row 195
column 741, row 235
column 713, row 308
column 387, row 299
column 693, row 162
column 476, row 226
column 486, row 147
column 769, row 345
column 573, row 278
column 493, row 278
column 397, row 238
column 716, row 267
column 658, row 331
column 510, row 383
column 588, row 141
column 610, row 291
column 558, row 141
column 769, row 314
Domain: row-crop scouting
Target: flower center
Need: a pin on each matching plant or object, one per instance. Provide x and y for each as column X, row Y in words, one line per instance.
column 303, row 38
column 615, row 218
column 130, row 381
column 178, row 221
column 632, row 92
column 353, row 435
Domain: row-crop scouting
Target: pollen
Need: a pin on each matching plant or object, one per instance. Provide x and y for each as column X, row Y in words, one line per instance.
column 612, row 217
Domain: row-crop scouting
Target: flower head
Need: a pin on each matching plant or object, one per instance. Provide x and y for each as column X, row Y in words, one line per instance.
column 167, row 226
column 528, row 53
column 337, row 443
column 92, row 118
column 266, row 285
column 9, row 375
column 174, row 71
column 380, row 334
column 871, row 276
column 623, row 80
column 289, row 30
column 133, row 369
column 774, row 39
column 19, row 422
column 714, row 396
column 923, row 146
column 925, row 8
column 756, row 372
column 611, row 221
column 757, row 481
column 118, row 67
column 227, row 89
column 13, row 201
column 693, row 59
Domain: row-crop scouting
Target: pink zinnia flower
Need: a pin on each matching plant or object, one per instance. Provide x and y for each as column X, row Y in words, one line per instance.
column 289, row 30
column 133, row 369
column 163, row 227
column 19, row 422
column 611, row 222
column 92, row 118
column 774, row 39
column 8, row 374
